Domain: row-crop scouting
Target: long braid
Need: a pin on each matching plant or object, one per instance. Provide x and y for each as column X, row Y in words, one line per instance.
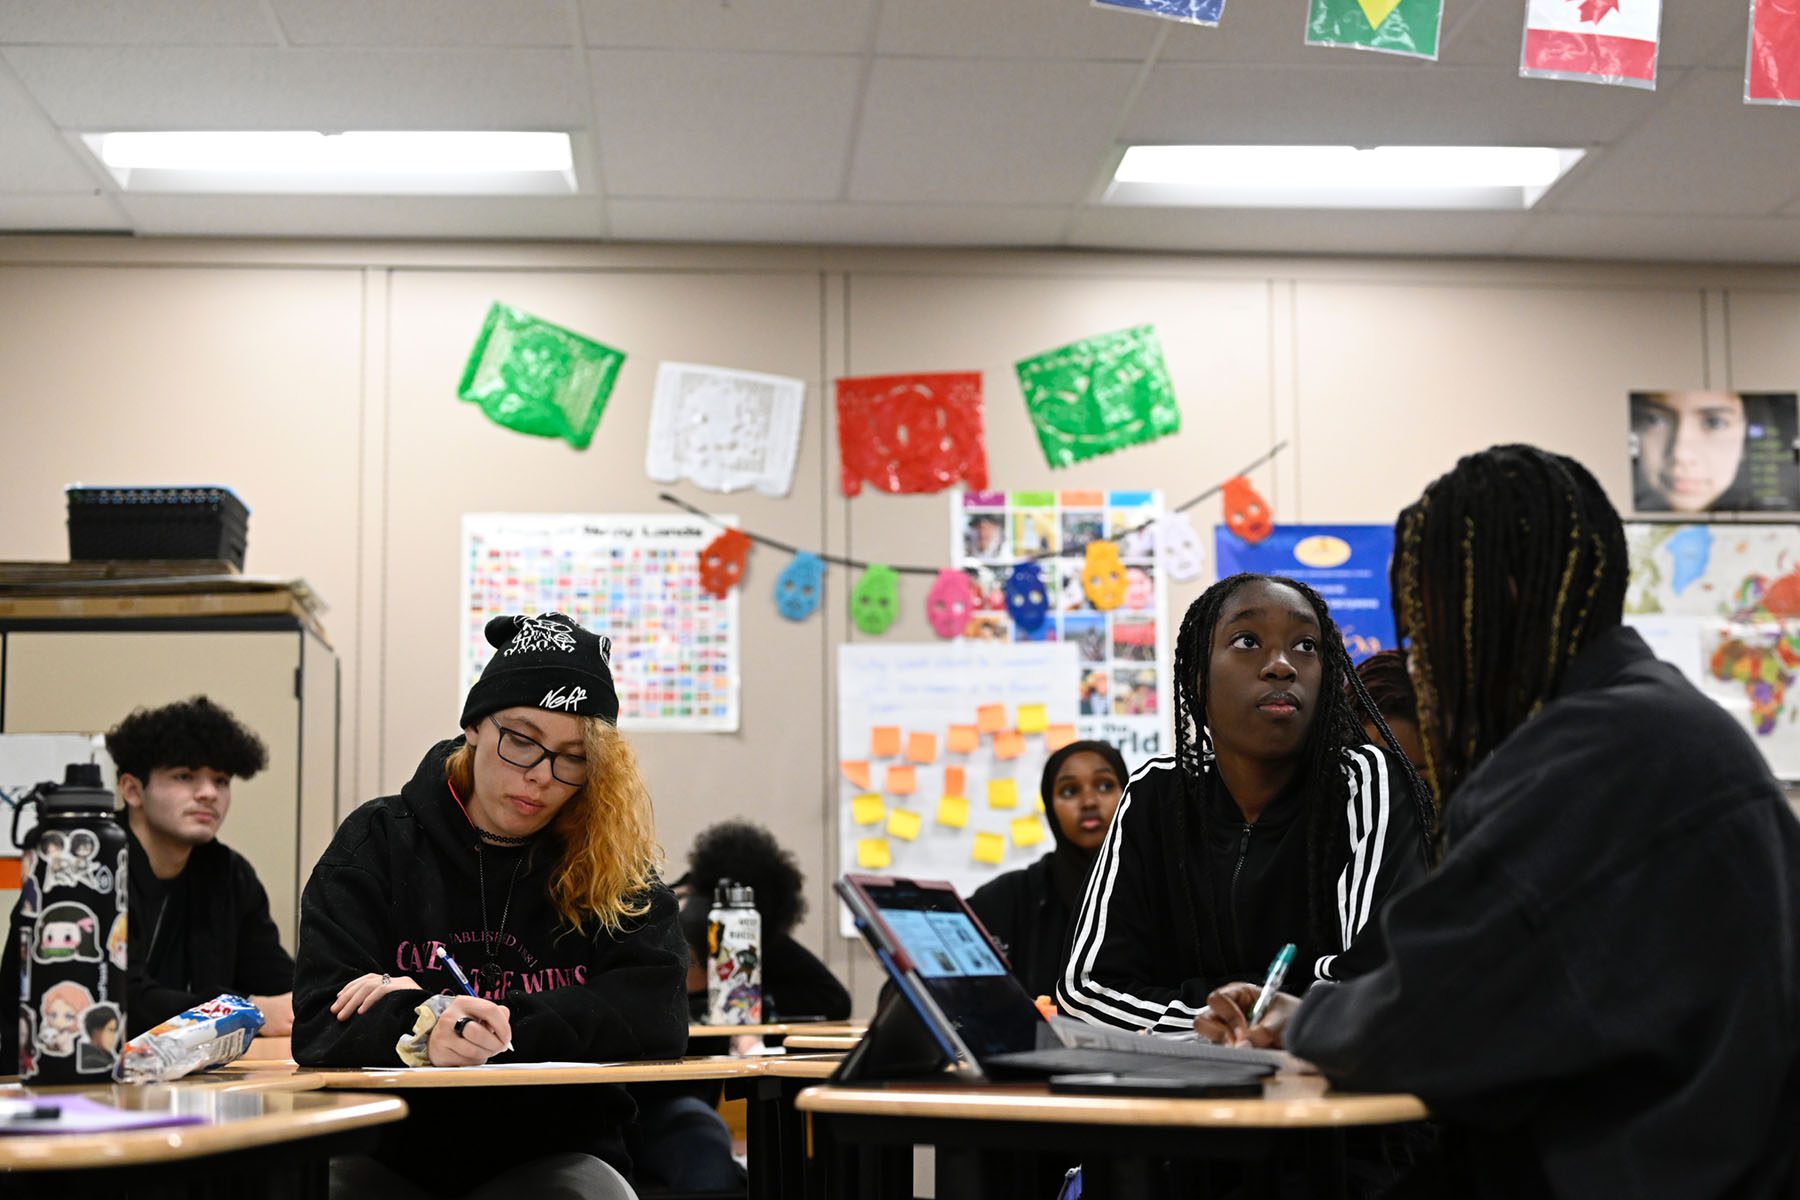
column 1503, row 571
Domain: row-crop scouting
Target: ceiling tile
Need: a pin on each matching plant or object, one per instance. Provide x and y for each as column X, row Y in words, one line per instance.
column 787, row 26
column 1255, row 33
column 425, row 22
column 34, row 157
column 1068, row 29
column 511, row 217
column 252, row 88
column 975, row 132
column 1772, row 241
column 136, row 23
column 745, row 126
column 1288, row 231
column 1344, row 104
column 1703, row 151
column 870, row 224
column 65, row 213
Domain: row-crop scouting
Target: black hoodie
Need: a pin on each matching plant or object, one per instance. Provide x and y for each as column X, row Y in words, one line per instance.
column 399, row 879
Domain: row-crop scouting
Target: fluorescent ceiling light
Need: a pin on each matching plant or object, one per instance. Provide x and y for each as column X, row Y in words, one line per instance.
column 1506, row 177
column 355, row 163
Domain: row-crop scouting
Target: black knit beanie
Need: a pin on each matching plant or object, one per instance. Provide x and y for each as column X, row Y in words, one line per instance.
column 547, row 662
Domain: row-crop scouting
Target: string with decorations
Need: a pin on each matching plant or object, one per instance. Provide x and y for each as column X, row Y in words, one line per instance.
column 875, row 600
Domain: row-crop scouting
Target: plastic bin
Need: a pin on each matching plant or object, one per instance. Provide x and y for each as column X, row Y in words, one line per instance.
column 206, row 522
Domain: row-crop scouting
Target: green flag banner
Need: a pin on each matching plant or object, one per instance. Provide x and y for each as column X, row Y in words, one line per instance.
column 1099, row 395
column 538, row 378
column 1395, row 26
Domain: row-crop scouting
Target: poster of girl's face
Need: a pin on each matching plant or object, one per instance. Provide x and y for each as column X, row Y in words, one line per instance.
column 1700, row 451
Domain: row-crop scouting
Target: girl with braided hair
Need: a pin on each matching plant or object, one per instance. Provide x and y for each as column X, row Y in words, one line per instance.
column 1598, row 991
column 1271, row 824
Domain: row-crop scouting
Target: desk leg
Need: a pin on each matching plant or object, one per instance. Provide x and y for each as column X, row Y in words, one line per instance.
column 839, row 1170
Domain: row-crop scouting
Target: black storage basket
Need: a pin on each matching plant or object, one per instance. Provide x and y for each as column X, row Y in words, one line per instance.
column 157, row 522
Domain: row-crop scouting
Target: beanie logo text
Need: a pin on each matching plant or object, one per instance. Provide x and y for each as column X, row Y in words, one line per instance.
column 539, row 633
column 563, row 697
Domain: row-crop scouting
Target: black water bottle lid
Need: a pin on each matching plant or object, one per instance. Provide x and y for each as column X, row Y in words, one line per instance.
column 81, row 791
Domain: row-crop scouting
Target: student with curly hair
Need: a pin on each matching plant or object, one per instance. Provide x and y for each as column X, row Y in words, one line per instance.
column 525, row 849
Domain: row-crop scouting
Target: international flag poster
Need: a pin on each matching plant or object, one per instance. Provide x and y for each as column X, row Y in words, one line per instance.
column 1407, row 27
column 1192, row 12
column 1596, row 41
column 1772, row 74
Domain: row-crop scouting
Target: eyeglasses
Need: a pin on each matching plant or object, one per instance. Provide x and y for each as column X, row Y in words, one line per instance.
column 526, row 753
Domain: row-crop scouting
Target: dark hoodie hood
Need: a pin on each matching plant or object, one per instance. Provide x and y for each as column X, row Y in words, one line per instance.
column 445, row 822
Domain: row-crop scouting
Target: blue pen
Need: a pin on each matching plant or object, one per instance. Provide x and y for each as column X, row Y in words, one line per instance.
column 463, row 980
column 1278, row 969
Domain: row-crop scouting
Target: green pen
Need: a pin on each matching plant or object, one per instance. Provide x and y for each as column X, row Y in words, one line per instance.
column 1284, row 958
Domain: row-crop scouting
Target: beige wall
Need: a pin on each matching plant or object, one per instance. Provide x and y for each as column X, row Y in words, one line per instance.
column 318, row 380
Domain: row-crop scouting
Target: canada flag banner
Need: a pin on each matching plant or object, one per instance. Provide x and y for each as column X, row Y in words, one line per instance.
column 1599, row 41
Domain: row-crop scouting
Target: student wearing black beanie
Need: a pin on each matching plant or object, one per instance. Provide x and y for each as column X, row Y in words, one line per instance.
column 1029, row 910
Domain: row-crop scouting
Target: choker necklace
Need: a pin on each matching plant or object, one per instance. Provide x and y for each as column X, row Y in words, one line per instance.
column 495, row 839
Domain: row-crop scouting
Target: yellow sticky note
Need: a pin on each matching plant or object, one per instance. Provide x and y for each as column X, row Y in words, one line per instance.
column 857, row 773
column 1003, row 793
column 868, row 810
column 1026, row 831
column 1058, row 736
column 1009, row 745
column 990, row 718
column 884, row 741
column 1033, row 718
column 873, row 852
column 990, row 848
column 921, row 747
column 904, row 824
column 953, row 811
column 901, row 781
column 963, row 738
column 953, row 782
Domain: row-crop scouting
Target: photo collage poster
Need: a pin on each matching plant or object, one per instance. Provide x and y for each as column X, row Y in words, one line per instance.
column 634, row 578
column 1124, row 692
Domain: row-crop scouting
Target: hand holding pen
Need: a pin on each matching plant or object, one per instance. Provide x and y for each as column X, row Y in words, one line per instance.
column 1224, row 1018
column 470, row 1030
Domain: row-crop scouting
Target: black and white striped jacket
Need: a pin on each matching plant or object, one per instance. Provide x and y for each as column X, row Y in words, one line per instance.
column 1166, row 918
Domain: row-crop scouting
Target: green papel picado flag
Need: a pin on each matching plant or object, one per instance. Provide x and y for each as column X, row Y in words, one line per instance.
column 1395, row 26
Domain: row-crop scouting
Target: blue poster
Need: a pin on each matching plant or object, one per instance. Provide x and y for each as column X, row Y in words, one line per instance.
column 1194, row 12
column 1346, row 564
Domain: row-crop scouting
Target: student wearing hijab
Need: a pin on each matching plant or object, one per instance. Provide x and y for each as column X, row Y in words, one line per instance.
column 524, row 847
column 1029, row 910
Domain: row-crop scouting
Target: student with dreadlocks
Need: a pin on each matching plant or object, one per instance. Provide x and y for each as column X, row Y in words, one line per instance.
column 1598, row 992
column 1271, row 824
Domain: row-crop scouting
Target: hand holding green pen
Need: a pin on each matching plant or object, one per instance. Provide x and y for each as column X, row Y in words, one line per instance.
column 1278, row 970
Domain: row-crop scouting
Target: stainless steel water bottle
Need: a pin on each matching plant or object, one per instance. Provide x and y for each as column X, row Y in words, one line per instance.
column 734, row 960
column 72, row 946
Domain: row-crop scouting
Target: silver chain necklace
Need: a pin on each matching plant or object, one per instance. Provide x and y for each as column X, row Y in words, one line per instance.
column 490, row 942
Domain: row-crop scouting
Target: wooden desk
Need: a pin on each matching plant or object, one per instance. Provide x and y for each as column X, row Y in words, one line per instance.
column 250, row 1139
column 1120, row 1140
column 718, row 1066
column 780, row 1029
column 839, row 1043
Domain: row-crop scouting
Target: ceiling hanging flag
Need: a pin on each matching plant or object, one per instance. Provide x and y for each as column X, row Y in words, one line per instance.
column 1103, row 575
column 875, row 600
column 1191, row 12
column 1178, row 548
column 725, row 430
column 1247, row 514
column 911, row 433
column 537, row 378
column 1099, row 395
column 798, row 586
column 1026, row 598
column 1596, row 41
column 722, row 562
column 948, row 605
column 1772, row 72
column 1407, row 27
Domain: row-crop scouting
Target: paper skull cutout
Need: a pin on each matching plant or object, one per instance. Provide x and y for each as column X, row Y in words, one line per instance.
column 949, row 603
column 797, row 588
column 1026, row 598
column 875, row 600
column 1246, row 512
column 1178, row 548
column 1103, row 575
column 722, row 562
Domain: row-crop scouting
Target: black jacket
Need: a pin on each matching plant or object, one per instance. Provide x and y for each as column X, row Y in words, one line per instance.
column 1165, row 918
column 216, row 936
column 401, row 878
column 1599, row 989
column 1027, row 914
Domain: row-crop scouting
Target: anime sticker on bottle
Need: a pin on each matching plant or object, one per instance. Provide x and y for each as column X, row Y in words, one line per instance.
column 118, row 942
column 59, row 1023
column 98, row 1051
column 67, row 932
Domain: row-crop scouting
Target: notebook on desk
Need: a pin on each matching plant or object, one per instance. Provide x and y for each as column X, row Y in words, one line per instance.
column 954, row 984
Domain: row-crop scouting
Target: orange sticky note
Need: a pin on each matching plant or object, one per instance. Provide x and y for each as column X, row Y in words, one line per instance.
column 1033, row 718
column 884, row 741
column 921, row 747
column 953, row 811
column 1009, row 744
column 1058, row 736
column 873, row 853
column 963, row 738
column 990, row 848
column 857, row 773
column 953, row 781
column 901, row 781
column 867, row 810
column 1003, row 793
column 904, row 824
column 990, row 718
column 1026, row 831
